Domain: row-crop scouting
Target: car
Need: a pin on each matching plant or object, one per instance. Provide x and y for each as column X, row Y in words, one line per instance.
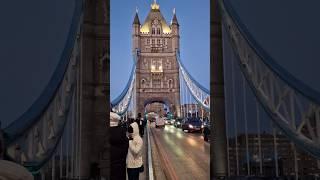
column 191, row 124
column 177, row 123
column 169, row 121
column 160, row 122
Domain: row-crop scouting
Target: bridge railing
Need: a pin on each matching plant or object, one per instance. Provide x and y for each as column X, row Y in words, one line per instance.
column 33, row 139
column 121, row 104
column 293, row 106
column 199, row 93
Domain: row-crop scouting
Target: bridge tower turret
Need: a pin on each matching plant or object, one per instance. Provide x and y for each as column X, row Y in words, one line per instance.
column 136, row 32
column 175, row 32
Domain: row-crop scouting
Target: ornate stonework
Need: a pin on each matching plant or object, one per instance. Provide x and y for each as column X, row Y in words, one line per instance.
column 157, row 73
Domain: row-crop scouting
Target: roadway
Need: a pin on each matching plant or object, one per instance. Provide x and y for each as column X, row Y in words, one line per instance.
column 182, row 155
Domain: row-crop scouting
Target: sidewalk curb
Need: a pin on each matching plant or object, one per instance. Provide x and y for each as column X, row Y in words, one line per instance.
column 164, row 161
column 150, row 166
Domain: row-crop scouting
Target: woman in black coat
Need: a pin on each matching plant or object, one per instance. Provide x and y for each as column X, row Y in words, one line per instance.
column 119, row 148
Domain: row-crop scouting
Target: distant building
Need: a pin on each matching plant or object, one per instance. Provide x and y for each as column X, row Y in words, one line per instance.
column 193, row 110
column 307, row 165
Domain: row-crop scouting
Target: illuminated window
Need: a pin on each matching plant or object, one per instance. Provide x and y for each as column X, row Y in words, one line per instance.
column 156, row 66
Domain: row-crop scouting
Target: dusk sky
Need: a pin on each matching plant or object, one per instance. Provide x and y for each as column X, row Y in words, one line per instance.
column 33, row 34
column 194, row 23
column 289, row 31
column 32, row 37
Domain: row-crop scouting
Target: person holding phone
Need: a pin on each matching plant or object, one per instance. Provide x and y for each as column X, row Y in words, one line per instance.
column 134, row 157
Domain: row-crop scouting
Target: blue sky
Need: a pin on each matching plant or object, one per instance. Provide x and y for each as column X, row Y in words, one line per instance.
column 194, row 23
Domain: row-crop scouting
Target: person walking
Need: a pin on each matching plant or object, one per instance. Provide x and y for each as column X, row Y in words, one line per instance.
column 134, row 157
column 140, row 124
column 119, row 148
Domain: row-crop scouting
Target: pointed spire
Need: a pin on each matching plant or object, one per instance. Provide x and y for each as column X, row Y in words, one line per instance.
column 136, row 18
column 174, row 19
column 155, row 6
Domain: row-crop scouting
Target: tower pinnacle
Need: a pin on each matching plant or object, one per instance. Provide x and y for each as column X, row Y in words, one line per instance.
column 136, row 18
column 174, row 18
column 154, row 5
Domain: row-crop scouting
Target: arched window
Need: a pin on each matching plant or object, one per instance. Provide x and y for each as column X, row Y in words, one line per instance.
column 143, row 83
column 158, row 31
column 170, row 83
column 153, row 31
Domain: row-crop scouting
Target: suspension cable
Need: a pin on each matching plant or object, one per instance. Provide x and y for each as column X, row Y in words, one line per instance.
column 234, row 112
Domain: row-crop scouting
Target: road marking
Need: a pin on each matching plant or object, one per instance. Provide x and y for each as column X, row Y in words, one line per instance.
column 168, row 168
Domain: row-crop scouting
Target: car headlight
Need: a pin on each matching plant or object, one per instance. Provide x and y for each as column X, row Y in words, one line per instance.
column 202, row 126
column 178, row 123
column 190, row 126
column 166, row 121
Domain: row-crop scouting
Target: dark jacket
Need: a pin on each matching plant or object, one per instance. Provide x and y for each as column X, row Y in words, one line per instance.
column 118, row 152
column 2, row 147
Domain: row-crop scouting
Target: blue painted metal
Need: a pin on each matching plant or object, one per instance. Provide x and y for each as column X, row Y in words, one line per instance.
column 31, row 116
column 302, row 142
column 193, row 80
column 118, row 99
column 293, row 82
column 36, row 166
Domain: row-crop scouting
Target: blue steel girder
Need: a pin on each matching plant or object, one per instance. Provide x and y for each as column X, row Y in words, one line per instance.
column 38, row 131
column 121, row 104
column 292, row 106
column 199, row 93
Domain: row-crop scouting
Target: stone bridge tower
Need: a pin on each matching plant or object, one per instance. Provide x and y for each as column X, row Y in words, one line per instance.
column 157, row 70
column 94, row 91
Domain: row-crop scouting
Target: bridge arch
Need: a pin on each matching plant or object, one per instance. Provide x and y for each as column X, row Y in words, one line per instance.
column 168, row 101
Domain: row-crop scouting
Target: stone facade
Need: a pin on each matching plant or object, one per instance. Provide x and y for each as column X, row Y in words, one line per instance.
column 94, row 94
column 157, row 70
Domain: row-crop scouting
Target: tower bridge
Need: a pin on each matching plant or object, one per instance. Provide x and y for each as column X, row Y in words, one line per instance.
column 264, row 121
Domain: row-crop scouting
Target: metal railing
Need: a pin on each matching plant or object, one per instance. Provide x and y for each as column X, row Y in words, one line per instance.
column 33, row 139
column 293, row 106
